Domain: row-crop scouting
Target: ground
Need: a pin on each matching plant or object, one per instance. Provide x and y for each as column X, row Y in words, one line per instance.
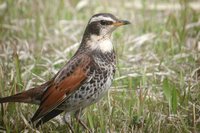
column 156, row 87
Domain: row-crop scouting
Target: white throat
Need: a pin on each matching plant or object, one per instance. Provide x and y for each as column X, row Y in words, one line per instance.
column 103, row 44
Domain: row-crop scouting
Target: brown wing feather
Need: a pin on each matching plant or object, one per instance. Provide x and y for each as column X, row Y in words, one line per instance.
column 57, row 93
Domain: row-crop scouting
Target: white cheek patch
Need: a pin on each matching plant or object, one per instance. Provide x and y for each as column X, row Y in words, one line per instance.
column 101, row 18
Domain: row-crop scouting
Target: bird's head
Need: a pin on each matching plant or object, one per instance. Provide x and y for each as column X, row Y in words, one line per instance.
column 99, row 29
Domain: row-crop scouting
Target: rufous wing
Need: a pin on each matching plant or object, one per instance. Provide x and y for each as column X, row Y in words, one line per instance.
column 59, row 91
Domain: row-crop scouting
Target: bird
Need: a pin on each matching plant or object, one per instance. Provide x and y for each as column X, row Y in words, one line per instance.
column 83, row 80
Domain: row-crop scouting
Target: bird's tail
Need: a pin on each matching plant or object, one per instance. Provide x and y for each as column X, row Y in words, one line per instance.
column 20, row 97
column 30, row 96
column 25, row 97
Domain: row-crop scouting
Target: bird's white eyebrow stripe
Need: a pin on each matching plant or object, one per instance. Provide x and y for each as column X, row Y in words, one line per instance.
column 101, row 18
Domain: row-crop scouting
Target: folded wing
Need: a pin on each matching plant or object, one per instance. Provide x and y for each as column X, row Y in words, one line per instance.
column 67, row 80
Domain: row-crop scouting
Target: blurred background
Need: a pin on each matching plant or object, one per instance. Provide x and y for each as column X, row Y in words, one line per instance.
column 156, row 87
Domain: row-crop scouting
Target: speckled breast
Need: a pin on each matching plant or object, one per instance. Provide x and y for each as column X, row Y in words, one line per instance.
column 99, row 81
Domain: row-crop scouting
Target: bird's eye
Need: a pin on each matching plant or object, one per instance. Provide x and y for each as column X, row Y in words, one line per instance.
column 103, row 22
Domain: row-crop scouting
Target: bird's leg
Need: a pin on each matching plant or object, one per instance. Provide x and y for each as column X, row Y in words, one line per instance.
column 78, row 115
column 68, row 122
column 70, row 127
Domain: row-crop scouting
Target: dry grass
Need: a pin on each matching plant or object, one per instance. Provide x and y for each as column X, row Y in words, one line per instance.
column 156, row 88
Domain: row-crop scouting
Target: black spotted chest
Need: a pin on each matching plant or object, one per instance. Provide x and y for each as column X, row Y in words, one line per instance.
column 99, row 81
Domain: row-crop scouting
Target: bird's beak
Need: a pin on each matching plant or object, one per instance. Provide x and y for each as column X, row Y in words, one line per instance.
column 121, row 22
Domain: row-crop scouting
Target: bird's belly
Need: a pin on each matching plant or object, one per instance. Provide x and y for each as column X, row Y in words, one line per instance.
column 87, row 94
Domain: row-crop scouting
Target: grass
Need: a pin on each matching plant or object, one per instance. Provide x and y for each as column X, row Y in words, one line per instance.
column 156, row 87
